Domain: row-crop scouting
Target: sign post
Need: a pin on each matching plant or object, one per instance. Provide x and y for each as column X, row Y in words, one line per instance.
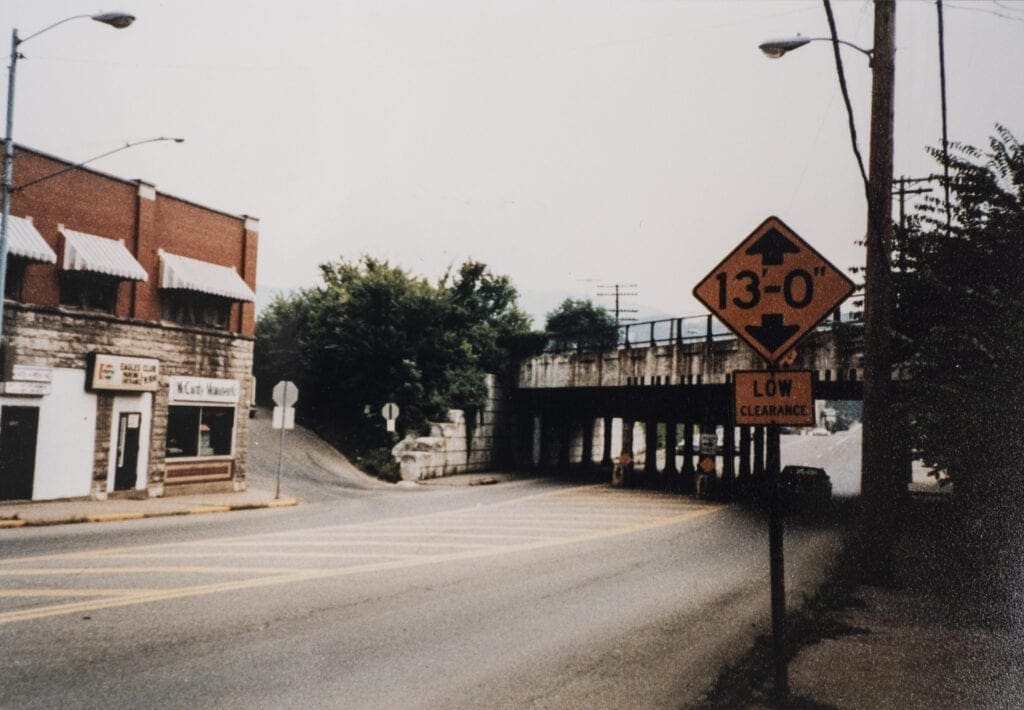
column 772, row 290
column 390, row 413
column 285, row 395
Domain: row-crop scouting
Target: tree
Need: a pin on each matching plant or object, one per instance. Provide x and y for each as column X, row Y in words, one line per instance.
column 959, row 325
column 374, row 333
column 581, row 325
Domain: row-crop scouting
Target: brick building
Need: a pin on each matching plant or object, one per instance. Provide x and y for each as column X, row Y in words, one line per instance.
column 128, row 335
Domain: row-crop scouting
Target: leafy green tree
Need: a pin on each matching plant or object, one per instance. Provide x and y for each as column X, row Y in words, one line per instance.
column 373, row 333
column 960, row 330
column 579, row 324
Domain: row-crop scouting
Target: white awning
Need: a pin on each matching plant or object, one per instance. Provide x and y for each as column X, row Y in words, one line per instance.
column 23, row 239
column 182, row 272
column 87, row 252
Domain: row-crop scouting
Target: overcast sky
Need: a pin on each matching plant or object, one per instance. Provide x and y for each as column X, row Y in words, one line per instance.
column 563, row 143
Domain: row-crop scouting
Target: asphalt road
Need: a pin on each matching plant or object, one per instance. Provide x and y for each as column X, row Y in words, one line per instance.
column 528, row 593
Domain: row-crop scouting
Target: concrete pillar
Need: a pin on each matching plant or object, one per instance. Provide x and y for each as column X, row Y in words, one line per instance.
column 743, row 479
column 759, row 452
column 564, row 443
column 671, row 473
column 537, row 450
column 546, row 448
column 606, row 450
column 650, row 478
column 627, row 452
column 728, row 460
column 687, row 482
column 587, row 459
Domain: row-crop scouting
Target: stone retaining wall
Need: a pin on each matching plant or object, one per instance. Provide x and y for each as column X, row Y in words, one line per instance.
column 453, row 447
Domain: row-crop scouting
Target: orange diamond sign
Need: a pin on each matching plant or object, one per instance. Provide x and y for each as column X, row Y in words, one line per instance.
column 773, row 289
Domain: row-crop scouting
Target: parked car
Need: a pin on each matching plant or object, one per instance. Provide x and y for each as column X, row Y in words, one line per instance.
column 805, row 488
column 819, row 431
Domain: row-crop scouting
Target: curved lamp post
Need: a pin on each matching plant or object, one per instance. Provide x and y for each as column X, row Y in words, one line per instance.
column 879, row 482
column 775, row 48
column 126, row 146
column 117, row 20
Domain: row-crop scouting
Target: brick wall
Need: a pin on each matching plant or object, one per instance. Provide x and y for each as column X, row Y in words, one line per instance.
column 62, row 338
column 90, row 201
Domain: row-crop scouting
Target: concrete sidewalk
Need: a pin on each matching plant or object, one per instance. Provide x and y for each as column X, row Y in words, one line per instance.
column 948, row 632
column 86, row 510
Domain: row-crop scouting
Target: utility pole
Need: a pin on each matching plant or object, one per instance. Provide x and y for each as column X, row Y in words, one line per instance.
column 901, row 192
column 878, row 458
column 618, row 294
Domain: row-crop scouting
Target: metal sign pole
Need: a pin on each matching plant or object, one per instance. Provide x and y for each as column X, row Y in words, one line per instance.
column 776, row 529
column 280, row 446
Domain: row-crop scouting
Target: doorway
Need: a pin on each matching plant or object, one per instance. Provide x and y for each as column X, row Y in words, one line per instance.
column 19, row 429
column 127, row 467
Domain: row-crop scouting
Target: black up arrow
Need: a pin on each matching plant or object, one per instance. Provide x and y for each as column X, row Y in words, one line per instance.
column 772, row 246
column 772, row 333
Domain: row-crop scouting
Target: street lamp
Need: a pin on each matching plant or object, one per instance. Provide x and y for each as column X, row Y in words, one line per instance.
column 879, row 482
column 118, row 20
column 775, row 48
column 76, row 166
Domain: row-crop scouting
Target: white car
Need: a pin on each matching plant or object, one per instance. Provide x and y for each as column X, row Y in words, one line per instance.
column 819, row 431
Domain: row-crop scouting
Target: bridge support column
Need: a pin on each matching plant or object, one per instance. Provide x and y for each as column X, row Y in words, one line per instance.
column 728, row 460
column 744, row 476
column 759, row 453
column 687, row 482
column 606, row 450
column 670, row 477
column 588, row 443
column 650, row 479
column 544, row 436
column 564, row 443
column 534, row 458
column 626, row 455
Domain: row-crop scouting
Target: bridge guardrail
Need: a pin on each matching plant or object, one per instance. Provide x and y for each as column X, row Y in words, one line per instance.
column 681, row 330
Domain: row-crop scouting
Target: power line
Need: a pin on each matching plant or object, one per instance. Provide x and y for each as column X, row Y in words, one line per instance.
column 618, row 294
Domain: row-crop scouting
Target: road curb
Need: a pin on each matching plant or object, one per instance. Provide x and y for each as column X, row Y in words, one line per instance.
column 18, row 522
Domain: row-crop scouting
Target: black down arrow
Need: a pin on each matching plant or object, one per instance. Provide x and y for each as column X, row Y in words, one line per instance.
column 772, row 332
column 772, row 246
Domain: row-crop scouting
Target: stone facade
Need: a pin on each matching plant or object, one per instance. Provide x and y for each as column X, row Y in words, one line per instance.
column 457, row 446
column 62, row 339
column 128, row 338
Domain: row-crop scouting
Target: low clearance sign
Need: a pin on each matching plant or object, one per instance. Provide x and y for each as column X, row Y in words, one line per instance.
column 766, row 397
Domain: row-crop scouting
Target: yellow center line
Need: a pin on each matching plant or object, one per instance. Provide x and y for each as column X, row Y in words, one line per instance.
column 71, row 592
column 309, row 575
column 436, row 535
column 344, row 543
column 234, row 554
column 43, row 571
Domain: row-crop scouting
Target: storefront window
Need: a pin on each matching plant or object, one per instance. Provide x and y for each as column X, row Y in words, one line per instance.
column 191, row 308
column 89, row 291
column 15, row 280
column 200, row 431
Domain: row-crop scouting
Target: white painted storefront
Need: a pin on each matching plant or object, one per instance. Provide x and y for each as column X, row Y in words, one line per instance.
column 66, row 434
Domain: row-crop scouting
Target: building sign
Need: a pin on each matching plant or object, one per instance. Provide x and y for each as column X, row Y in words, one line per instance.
column 123, row 374
column 773, row 289
column 28, row 389
column 766, row 397
column 31, row 373
column 202, row 389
